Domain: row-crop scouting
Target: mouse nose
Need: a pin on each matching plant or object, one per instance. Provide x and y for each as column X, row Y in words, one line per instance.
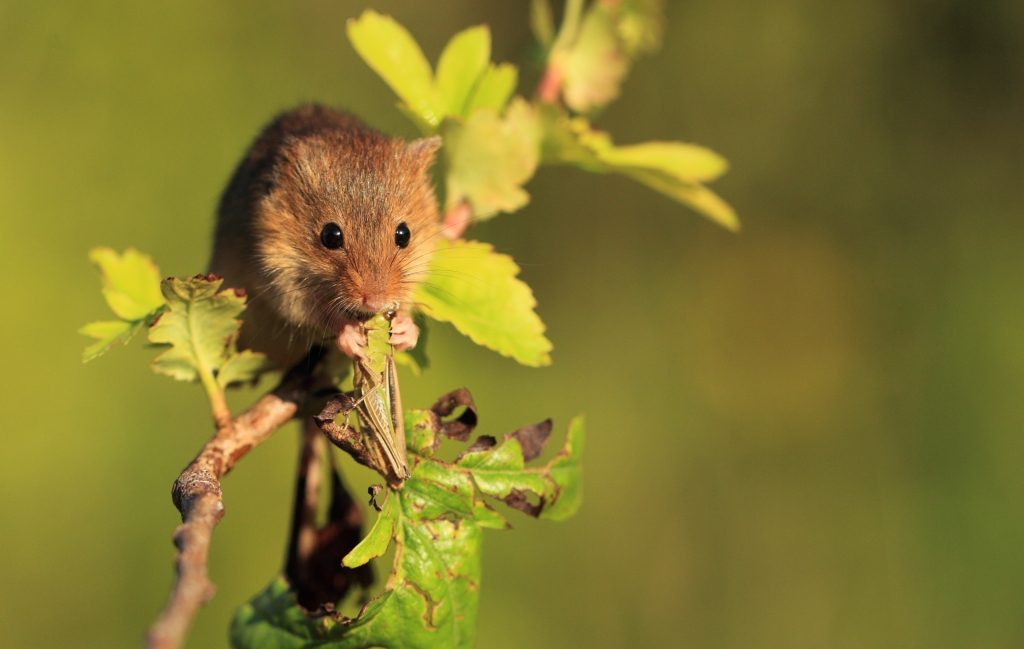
column 373, row 301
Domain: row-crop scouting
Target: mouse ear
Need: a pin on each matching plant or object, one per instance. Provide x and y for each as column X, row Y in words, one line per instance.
column 422, row 151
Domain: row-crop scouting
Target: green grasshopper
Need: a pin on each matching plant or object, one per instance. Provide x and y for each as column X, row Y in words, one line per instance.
column 378, row 402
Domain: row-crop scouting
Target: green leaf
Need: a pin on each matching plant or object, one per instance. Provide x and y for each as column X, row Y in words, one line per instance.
column 461, row 65
column 109, row 334
column 431, row 599
column 420, row 432
column 393, row 53
column 433, row 603
column 500, row 471
column 432, row 596
column 131, row 286
column 465, row 82
column 377, row 539
column 490, row 157
column 131, row 282
column 199, row 326
column 243, row 367
column 494, row 88
column 672, row 168
column 476, row 289
column 686, row 162
column 567, row 472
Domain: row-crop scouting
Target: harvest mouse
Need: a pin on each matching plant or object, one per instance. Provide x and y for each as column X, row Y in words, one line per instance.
column 325, row 223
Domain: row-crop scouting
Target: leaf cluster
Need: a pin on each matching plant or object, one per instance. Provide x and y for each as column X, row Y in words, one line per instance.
column 435, row 522
column 192, row 320
column 494, row 142
column 436, row 516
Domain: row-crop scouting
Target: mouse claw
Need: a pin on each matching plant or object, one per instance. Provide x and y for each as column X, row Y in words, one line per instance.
column 404, row 333
column 351, row 341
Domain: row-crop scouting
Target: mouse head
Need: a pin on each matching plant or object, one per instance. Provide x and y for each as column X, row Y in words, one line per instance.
column 346, row 225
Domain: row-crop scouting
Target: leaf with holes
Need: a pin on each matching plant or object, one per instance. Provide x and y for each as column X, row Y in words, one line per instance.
column 436, row 522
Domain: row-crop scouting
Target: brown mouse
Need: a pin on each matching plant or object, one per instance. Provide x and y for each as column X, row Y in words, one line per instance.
column 325, row 223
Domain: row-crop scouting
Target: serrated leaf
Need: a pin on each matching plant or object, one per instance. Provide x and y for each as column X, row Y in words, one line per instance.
column 435, row 519
column 490, row 158
column 476, row 290
column 462, row 63
column 199, row 326
column 431, row 598
column 567, row 471
column 502, row 470
column 391, row 51
column 377, row 540
column 431, row 602
column 131, row 286
column 494, row 88
column 434, row 603
column 131, row 282
column 109, row 334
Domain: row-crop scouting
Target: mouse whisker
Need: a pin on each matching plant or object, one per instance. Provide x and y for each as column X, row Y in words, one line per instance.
column 453, row 275
column 454, row 296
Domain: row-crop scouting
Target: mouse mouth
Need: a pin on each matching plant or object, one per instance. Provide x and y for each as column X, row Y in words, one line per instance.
column 360, row 313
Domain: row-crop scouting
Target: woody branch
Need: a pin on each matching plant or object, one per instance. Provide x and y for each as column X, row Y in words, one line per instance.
column 197, row 495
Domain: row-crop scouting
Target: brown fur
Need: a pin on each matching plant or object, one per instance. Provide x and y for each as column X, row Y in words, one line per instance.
column 310, row 167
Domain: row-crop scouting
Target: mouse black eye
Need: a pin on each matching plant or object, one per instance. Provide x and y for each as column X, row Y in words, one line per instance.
column 402, row 235
column 331, row 236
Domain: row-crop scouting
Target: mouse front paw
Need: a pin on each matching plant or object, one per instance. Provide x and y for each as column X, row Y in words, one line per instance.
column 404, row 333
column 351, row 340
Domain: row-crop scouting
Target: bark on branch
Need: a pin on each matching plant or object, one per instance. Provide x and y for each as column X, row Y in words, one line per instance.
column 197, row 496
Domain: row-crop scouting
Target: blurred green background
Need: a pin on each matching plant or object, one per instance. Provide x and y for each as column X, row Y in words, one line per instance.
column 805, row 435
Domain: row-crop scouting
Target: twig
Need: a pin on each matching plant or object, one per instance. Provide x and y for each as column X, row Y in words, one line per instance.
column 197, row 496
column 342, row 435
